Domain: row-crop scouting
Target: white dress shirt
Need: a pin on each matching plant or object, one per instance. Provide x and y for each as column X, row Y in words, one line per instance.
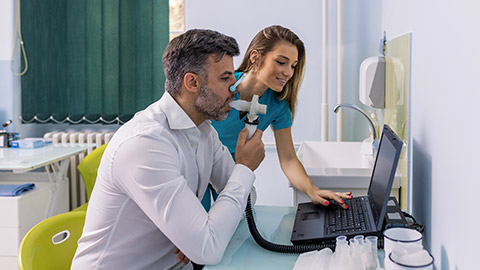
column 146, row 199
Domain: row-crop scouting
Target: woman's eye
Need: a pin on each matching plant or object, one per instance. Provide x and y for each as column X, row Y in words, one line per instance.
column 294, row 67
column 280, row 63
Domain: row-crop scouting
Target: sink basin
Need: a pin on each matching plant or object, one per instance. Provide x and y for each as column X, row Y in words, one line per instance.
column 314, row 154
column 338, row 166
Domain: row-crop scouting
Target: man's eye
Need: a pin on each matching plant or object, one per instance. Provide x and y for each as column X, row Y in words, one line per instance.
column 225, row 78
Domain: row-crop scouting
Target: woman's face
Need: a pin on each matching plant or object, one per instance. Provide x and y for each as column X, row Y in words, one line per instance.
column 278, row 66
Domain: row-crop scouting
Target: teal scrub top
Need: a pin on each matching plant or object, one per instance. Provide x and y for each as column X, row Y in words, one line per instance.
column 278, row 115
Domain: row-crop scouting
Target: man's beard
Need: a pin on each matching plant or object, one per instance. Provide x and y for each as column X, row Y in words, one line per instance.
column 211, row 105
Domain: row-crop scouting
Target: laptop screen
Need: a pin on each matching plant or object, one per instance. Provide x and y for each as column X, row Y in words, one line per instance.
column 384, row 171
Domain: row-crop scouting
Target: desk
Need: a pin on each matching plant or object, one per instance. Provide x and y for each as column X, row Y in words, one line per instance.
column 275, row 224
column 53, row 157
column 50, row 196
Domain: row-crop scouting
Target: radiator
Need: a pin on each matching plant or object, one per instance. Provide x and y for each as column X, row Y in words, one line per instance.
column 78, row 195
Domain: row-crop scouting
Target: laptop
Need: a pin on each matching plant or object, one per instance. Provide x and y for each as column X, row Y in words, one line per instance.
column 322, row 224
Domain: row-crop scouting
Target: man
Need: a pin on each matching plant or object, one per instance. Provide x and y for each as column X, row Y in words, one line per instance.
column 145, row 206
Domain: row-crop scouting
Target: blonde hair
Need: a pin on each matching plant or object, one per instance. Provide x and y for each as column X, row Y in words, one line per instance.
column 264, row 42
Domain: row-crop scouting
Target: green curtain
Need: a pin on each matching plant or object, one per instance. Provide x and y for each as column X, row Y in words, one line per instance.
column 92, row 60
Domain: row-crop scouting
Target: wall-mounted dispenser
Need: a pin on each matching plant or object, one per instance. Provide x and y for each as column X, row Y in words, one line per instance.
column 372, row 82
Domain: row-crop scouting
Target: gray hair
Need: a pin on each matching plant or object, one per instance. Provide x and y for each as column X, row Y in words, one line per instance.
column 189, row 52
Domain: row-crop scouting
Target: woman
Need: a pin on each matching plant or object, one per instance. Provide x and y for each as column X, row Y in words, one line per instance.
column 274, row 65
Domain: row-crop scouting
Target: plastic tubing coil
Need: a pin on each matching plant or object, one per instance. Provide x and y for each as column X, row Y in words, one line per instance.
column 290, row 249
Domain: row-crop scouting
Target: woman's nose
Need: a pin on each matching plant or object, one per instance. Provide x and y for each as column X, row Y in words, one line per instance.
column 288, row 72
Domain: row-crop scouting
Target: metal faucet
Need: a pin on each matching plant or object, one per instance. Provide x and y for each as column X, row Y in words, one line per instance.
column 374, row 129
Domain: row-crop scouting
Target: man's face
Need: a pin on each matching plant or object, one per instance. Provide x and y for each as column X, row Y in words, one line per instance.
column 214, row 96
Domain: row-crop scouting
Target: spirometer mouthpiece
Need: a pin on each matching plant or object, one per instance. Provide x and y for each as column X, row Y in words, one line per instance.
column 253, row 108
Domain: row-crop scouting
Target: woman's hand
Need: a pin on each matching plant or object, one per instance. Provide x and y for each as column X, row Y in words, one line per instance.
column 181, row 257
column 321, row 196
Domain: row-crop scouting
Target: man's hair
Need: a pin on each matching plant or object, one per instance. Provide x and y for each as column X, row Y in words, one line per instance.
column 189, row 52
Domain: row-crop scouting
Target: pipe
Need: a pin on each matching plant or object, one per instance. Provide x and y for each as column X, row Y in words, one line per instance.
column 374, row 126
column 324, row 123
column 339, row 69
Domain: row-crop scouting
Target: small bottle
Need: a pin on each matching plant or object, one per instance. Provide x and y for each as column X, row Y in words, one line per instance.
column 4, row 135
column 4, row 125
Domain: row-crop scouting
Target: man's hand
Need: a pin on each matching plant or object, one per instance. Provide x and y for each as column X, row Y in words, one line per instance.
column 252, row 152
column 181, row 257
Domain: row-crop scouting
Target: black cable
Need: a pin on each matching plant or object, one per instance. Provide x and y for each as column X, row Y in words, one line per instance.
column 276, row 247
column 413, row 224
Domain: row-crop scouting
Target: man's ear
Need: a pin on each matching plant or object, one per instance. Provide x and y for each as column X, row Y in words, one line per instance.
column 191, row 82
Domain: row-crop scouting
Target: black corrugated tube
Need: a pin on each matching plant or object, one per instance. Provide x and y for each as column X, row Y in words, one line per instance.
column 292, row 249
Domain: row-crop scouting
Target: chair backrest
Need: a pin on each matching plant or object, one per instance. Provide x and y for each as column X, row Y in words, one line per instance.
column 51, row 244
column 89, row 166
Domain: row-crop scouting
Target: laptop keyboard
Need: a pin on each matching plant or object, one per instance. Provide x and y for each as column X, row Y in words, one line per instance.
column 347, row 220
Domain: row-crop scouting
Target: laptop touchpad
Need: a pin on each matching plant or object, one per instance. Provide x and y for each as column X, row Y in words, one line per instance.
column 310, row 215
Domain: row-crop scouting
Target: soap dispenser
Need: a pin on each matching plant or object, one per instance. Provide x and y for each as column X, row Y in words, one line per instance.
column 373, row 115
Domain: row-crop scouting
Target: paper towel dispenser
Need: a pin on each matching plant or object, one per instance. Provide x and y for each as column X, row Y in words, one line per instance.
column 372, row 82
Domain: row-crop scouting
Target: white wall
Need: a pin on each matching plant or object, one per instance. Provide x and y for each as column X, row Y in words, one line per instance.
column 445, row 78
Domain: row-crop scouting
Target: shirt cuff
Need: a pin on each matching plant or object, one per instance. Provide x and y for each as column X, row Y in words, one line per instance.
column 243, row 176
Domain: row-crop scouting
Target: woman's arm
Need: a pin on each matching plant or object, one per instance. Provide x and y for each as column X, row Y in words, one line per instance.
column 295, row 172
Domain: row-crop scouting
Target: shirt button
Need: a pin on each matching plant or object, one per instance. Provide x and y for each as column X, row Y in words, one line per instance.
column 195, row 132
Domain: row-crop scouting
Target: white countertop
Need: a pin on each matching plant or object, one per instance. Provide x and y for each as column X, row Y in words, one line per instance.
column 22, row 160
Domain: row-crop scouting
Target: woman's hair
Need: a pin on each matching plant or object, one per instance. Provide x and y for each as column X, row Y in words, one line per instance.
column 264, row 42
column 189, row 52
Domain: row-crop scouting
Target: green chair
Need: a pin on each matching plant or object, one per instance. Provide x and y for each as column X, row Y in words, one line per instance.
column 51, row 244
column 88, row 169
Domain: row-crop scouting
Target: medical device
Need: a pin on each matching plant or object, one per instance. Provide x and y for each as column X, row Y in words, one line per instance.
column 253, row 108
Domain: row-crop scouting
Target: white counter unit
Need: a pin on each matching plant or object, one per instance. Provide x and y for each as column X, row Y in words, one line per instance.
column 19, row 215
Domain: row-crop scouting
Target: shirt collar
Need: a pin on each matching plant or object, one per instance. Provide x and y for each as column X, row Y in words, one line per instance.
column 176, row 116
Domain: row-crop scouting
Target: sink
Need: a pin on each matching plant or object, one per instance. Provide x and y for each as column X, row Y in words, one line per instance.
column 315, row 154
column 338, row 166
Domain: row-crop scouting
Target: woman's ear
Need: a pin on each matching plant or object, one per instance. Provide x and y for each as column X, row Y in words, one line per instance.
column 191, row 82
column 254, row 56
column 255, row 60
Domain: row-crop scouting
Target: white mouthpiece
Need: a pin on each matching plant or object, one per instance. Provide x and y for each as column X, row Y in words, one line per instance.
column 240, row 105
column 252, row 107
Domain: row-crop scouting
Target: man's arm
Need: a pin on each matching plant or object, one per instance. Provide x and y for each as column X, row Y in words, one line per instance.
column 250, row 153
column 155, row 182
